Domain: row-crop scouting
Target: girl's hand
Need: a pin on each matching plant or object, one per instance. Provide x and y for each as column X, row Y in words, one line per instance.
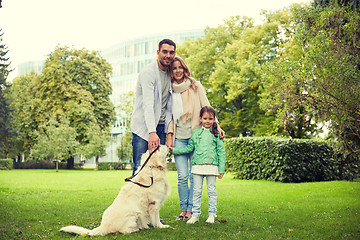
column 170, row 149
column 220, row 176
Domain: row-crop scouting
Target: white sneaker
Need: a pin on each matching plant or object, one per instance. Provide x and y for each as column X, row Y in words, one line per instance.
column 193, row 220
column 211, row 218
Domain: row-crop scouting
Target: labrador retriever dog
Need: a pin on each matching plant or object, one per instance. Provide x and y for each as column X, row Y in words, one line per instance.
column 138, row 204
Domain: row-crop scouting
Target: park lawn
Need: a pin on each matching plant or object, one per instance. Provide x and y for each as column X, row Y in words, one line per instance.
column 35, row 204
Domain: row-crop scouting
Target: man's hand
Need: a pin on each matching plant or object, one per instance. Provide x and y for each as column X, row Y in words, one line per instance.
column 154, row 141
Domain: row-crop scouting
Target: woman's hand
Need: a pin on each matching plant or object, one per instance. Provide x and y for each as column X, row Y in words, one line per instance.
column 220, row 176
column 221, row 132
column 169, row 140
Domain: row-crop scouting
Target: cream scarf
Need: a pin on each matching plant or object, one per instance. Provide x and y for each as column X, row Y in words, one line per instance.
column 182, row 107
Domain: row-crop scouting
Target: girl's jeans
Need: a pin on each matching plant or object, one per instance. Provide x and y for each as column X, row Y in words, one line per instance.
column 211, row 189
column 185, row 179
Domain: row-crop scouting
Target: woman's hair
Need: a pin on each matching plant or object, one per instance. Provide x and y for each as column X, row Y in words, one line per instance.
column 187, row 73
column 209, row 109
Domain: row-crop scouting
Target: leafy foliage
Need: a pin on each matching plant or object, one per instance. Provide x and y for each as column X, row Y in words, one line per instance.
column 67, row 105
column 6, row 164
column 7, row 134
column 288, row 160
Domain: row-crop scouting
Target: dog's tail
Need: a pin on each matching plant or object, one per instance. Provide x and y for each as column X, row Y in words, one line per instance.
column 76, row 230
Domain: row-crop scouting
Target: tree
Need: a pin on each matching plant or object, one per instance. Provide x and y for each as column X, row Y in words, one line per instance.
column 7, row 135
column 284, row 90
column 229, row 63
column 74, row 85
column 329, row 37
column 56, row 140
column 124, row 150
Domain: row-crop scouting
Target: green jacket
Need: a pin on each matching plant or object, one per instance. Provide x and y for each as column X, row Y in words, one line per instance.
column 207, row 148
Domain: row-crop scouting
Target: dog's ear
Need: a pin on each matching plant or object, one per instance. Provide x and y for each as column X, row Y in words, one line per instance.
column 159, row 158
column 144, row 157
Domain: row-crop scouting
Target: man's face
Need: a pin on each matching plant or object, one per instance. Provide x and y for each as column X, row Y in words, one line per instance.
column 166, row 55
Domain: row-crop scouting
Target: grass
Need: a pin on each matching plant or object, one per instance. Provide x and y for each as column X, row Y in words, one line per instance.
column 35, row 204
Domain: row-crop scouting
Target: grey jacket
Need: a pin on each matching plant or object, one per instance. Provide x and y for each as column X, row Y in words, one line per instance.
column 147, row 108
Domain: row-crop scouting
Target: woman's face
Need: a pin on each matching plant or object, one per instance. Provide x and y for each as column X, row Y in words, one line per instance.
column 178, row 71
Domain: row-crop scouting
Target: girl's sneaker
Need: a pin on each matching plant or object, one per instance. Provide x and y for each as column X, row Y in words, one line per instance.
column 211, row 218
column 193, row 220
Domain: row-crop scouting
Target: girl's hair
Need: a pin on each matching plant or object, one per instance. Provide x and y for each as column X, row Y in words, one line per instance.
column 209, row 109
column 187, row 73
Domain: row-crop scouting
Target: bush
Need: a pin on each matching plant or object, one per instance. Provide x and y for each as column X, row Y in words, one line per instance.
column 288, row 160
column 171, row 166
column 31, row 164
column 44, row 164
column 112, row 165
column 6, row 164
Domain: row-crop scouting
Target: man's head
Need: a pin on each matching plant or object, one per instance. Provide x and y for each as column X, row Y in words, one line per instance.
column 166, row 53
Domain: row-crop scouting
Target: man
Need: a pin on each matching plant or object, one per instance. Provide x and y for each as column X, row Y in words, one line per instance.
column 153, row 103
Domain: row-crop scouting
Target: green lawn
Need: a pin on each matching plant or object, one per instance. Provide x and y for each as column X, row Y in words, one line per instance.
column 35, row 204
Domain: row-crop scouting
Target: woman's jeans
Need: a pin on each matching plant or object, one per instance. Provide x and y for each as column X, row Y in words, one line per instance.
column 211, row 189
column 140, row 145
column 185, row 179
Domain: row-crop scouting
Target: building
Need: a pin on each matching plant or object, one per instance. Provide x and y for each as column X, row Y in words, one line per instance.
column 127, row 59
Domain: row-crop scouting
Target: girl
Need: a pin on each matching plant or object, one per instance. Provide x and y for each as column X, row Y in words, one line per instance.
column 189, row 97
column 208, row 161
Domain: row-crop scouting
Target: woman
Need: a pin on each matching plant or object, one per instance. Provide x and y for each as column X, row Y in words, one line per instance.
column 188, row 99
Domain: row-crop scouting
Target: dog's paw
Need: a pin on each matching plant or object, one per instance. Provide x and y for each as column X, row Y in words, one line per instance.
column 163, row 226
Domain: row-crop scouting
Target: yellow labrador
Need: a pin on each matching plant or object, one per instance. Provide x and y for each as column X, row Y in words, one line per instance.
column 136, row 207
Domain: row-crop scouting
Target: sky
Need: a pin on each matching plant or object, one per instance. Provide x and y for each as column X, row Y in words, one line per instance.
column 33, row 28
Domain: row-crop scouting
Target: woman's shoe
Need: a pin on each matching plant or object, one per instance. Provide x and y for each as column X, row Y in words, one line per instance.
column 193, row 220
column 187, row 216
column 179, row 218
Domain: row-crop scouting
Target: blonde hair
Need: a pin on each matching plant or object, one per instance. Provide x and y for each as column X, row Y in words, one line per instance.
column 187, row 73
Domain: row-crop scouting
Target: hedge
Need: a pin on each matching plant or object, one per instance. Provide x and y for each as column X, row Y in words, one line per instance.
column 6, row 164
column 112, row 165
column 288, row 160
column 44, row 164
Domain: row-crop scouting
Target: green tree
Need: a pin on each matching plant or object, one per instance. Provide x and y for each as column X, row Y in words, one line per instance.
column 7, row 135
column 74, row 85
column 124, row 149
column 26, row 109
column 56, row 140
column 329, row 37
column 229, row 62
column 284, row 91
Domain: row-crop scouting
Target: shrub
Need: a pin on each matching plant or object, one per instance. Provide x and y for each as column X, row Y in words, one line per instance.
column 31, row 164
column 171, row 166
column 288, row 160
column 112, row 165
column 44, row 164
column 6, row 164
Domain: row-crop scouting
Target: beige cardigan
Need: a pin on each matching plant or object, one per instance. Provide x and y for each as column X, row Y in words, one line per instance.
column 200, row 100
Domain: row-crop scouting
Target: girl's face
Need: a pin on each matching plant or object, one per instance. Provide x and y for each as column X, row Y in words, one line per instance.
column 178, row 71
column 207, row 119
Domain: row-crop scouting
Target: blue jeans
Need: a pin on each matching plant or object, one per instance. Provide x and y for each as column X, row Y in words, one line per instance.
column 211, row 189
column 140, row 145
column 185, row 179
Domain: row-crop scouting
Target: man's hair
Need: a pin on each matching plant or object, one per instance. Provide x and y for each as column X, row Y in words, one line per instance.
column 167, row 41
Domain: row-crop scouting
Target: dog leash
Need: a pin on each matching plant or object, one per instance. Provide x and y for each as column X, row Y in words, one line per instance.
column 152, row 180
